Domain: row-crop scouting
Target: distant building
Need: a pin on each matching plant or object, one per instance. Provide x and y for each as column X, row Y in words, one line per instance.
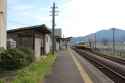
column 3, row 23
column 36, row 38
column 58, row 36
column 61, row 43
column 66, row 42
column 58, row 43
column 58, row 32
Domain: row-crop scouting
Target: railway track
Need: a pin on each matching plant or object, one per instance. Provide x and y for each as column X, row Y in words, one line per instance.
column 112, row 58
column 115, row 59
column 113, row 70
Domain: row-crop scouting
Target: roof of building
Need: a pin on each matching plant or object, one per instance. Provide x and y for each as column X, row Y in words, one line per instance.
column 64, row 39
column 41, row 28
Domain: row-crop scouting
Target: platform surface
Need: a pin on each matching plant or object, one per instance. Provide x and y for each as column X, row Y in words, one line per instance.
column 64, row 70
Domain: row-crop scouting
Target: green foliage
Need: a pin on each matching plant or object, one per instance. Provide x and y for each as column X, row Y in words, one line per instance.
column 1, row 81
column 36, row 71
column 28, row 54
column 1, row 50
column 15, row 58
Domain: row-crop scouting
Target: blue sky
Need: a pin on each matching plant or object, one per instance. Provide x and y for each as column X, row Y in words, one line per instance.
column 76, row 17
column 28, row 12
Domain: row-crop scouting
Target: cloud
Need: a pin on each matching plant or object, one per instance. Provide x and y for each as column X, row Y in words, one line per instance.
column 88, row 16
column 76, row 17
column 25, row 14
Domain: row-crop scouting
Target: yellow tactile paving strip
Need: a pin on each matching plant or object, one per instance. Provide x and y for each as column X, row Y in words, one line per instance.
column 83, row 73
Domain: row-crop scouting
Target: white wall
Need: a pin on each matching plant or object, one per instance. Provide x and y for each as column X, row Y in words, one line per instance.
column 3, row 23
column 37, row 47
column 47, row 43
column 57, row 46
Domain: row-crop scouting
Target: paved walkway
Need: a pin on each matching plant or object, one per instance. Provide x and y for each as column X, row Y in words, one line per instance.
column 65, row 70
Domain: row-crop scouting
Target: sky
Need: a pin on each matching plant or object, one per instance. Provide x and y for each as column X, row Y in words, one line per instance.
column 75, row 17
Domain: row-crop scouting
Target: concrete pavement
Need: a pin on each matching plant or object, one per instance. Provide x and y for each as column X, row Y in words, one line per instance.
column 65, row 70
column 70, row 67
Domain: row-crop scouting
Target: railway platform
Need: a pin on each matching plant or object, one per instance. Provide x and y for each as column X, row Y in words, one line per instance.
column 72, row 68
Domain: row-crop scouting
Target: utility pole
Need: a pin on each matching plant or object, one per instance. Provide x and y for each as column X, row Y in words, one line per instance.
column 3, row 23
column 95, row 41
column 53, row 28
column 113, row 41
column 89, row 41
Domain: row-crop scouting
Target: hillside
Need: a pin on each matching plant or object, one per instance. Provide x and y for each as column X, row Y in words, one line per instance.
column 103, row 35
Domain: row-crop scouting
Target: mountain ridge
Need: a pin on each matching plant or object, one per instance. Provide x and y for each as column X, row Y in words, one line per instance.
column 103, row 35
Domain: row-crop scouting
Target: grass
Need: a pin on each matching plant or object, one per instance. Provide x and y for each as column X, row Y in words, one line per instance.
column 120, row 49
column 36, row 72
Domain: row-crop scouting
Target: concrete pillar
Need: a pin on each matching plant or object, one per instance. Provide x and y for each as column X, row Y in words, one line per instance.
column 3, row 23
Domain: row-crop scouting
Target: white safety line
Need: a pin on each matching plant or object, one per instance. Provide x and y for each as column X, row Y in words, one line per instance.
column 83, row 73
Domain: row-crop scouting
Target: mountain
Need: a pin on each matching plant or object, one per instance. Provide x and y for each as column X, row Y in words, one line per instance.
column 103, row 35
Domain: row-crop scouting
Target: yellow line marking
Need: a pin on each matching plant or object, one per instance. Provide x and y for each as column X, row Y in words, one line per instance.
column 83, row 73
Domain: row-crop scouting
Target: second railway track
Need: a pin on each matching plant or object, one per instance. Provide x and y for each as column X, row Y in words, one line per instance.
column 112, row 58
column 115, row 59
column 113, row 70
